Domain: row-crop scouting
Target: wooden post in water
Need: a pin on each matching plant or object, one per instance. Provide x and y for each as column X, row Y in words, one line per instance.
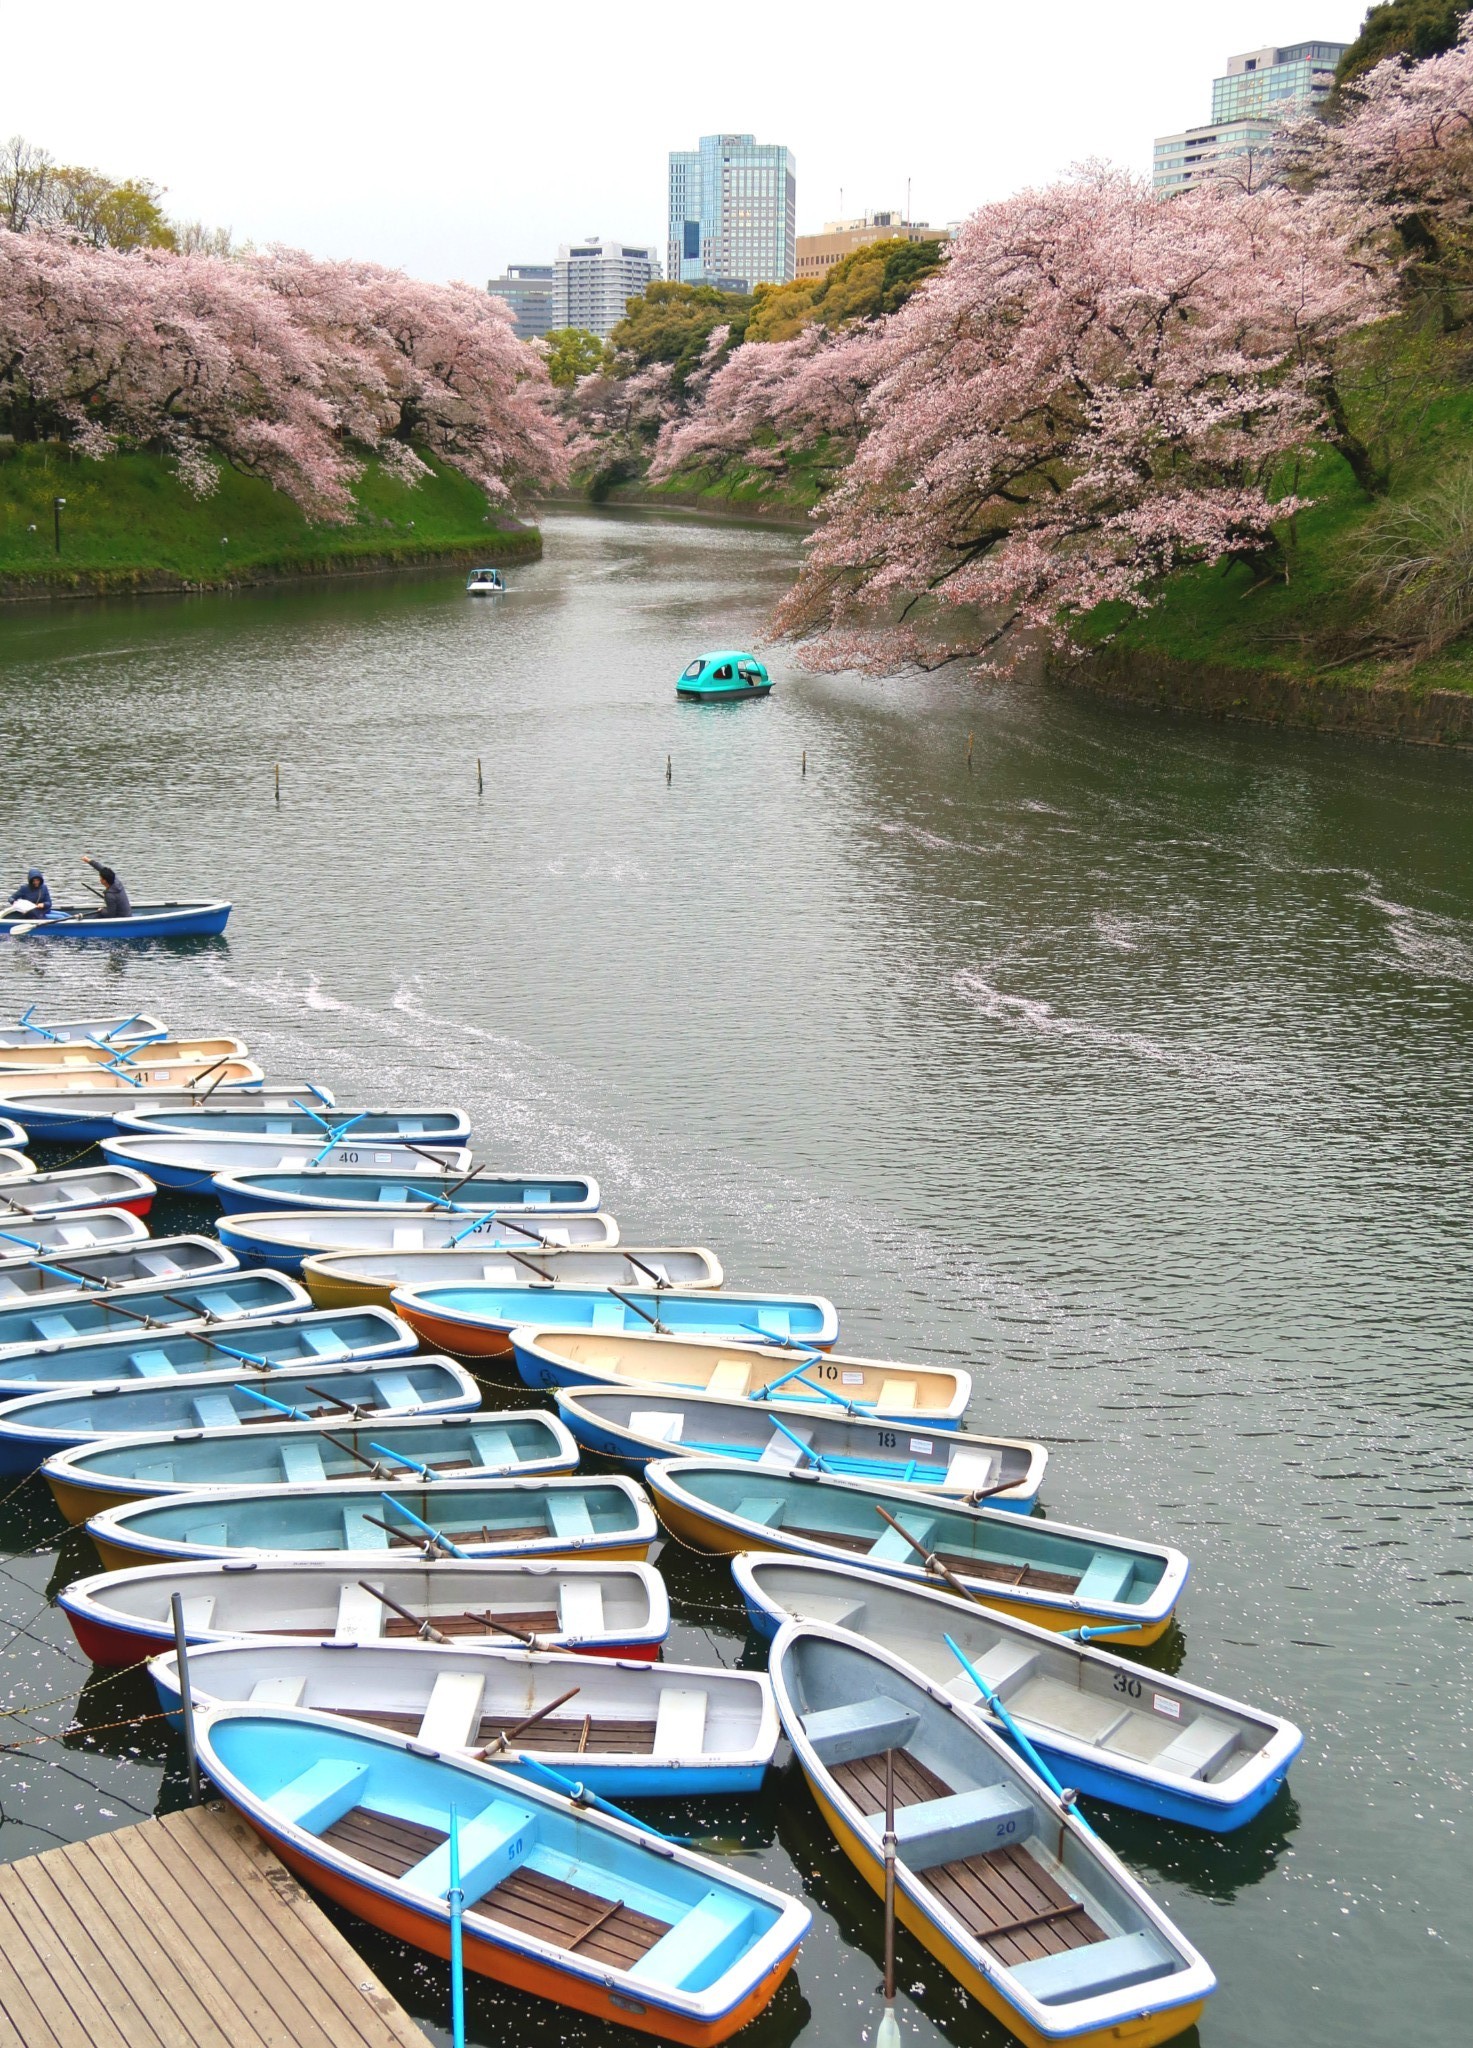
column 278, row 782
column 186, row 1693
column 667, row 767
column 805, row 764
column 969, row 753
column 480, row 785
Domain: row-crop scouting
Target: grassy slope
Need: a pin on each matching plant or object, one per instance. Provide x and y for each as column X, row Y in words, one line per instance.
column 130, row 516
column 1417, row 403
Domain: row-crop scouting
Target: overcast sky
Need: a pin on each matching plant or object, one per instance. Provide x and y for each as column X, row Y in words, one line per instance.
column 454, row 139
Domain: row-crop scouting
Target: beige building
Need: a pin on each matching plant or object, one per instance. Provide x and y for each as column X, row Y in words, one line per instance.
column 818, row 253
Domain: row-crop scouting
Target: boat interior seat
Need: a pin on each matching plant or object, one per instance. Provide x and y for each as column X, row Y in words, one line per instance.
column 960, row 1825
column 361, row 1534
column 557, row 1233
column 286, row 1691
column 891, row 1547
column 860, row 1728
column 780, row 1453
column 321, row 1794
column 224, row 1304
column 896, row 1397
column 580, row 1607
column 568, row 1516
column 775, row 1322
column 360, row 1616
column 494, row 1447
column 1201, row 1746
column 658, row 1423
column 492, row 1843
column 55, row 1327
column 216, row 1534
column 1112, row 1965
column 730, row 1378
column 1107, row 1577
column 536, row 1198
column 152, row 1365
column 1053, row 1703
column 198, row 1610
column 159, row 1266
column 972, row 1470
column 1005, row 1667
column 608, row 1315
column 407, row 1237
column 766, row 1510
column 74, row 1234
column 396, row 1195
column 301, row 1463
column 453, row 1712
column 395, row 1390
column 658, row 1267
column 702, row 1943
column 214, row 1411
column 325, row 1343
column 680, row 1721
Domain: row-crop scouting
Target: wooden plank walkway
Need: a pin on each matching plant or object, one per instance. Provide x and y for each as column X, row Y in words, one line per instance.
column 182, row 1932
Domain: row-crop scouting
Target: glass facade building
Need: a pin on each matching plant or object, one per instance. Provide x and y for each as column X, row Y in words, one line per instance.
column 1259, row 93
column 527, row 290
column 733, row 211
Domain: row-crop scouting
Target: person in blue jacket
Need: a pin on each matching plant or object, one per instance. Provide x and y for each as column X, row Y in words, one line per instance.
column 33, row 898
column 115, row 901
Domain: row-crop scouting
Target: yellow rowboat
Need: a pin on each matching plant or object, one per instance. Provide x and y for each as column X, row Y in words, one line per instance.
column 1044, row 1572
column 135, row 1080
column 77, row 1058
column 995, row 1874
column 360, row 1279
column 736, row 1371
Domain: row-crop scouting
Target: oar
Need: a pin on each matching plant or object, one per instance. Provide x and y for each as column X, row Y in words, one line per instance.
column 425, row 1630
column 433, row 1536
column 661, row 1329
column 648, row 1271
column 455, row 1899
column 295, row 1414
column 424, row 1471
column 931, row 1561
column 509, row 1735
column 580, row 1795
column 1087, row 1634
column 888, row 2033
column 30, row 1243
column 1020, row 1741
column 121, row 1027
column 340, row 1443
column 26, row 927
column 352, row 1409
column 807, row 1449
column 797, row 1372
column 975, row 1498
column 335, row 1133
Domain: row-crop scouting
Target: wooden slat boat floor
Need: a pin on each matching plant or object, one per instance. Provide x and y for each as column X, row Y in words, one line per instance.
column 1027, row 1575
column 604, row 1735
column 382, row 1840
column 575, row 1919
column 526, row 1621
column 1005, row 1898
column 527, row 1532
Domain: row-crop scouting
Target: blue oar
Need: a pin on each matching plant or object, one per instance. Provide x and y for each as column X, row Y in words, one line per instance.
column 122, row 1027
column 441, row 1542
column 1087, row 1635
column 139, row 1045
column 581, row 1796
column 1020, row 1741
column 335, row 1132
column 30, row 1243
column 25, row 1018
column 813, row 1358
column 296, row 1414
column 807, row 1449
column 424, row 1471
column 455, row 1899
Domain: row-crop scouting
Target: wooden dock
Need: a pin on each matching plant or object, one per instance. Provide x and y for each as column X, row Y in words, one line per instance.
column 183, row 1932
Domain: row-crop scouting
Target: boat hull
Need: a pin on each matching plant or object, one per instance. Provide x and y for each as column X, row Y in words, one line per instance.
column 148, row 921
column 286, row 1238
column 724, row 696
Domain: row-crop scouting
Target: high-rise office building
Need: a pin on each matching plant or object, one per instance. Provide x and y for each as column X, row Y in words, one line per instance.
column 527, row 290
column 594, row 279
column 818, row 253
column 733, row 212
column 1260, row 91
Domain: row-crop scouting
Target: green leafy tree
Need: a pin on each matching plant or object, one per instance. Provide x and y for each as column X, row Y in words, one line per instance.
column 1412, row 28
column 864, row 285
column 672, row 323
column 573, row 352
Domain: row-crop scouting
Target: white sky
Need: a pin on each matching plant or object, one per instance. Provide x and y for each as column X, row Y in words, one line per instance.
column 453, row 139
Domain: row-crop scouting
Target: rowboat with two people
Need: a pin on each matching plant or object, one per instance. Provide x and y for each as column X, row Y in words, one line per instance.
column 144, row 921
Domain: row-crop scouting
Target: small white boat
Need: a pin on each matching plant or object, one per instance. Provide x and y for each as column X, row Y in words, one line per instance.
column 485, row 583
column 15, row 1165
column 89, row 1227
column 130, row 1029
column 627, row 1730
column 338, row 1279
column 75, row 1187
column 78, row 1055
column 285, row 1237
column 48, row 1277
column 190, row 1160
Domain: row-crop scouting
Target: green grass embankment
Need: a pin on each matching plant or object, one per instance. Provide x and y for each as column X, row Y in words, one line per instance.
column 130, row 525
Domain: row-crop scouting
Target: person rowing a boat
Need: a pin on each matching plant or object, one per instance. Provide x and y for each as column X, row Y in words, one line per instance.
column 32, row 899
column 115, row 901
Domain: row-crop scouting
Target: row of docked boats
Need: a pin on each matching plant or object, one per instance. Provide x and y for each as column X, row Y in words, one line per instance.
column 413, row 1627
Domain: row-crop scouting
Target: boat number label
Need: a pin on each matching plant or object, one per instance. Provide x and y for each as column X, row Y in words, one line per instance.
column 1128, row 1683
column 347, row 1158
column 1171, row 1708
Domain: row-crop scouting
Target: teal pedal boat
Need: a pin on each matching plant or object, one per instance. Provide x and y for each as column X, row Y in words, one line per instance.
column 717, row 678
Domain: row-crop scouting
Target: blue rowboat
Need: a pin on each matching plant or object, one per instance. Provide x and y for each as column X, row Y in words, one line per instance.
column 87, row 1229
column 721, row 678
column 1102, row 1724
column 125, row 1028
column 14, row 1137
column 1004, row 1883
column 96, row 1475
column 556, row 1603
column 486, row 1518
column 1045, row 1572
column 147, row 921
column 630, row 1730
column 193, row 1161
column 81, row 1114
column 249, row 1116
column 456, row 1193
column 740, row 1367
column 49, row 1277
column 187, row 1304
column 158, row 1357
column 635, row 1424
column 285, row 1237
column 559, row 1901
column 479, row 1321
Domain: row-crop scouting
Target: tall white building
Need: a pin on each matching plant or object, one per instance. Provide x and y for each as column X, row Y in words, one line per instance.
column 733, row 212
column 1260, row 91
column 593, row 279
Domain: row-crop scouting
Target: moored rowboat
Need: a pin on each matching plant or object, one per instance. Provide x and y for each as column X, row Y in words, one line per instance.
column 184, row 1304
column 15, row 1165
column 80, row 1055
column 1004, row 1884
column 49, row 1277
column 457, row 1193
column 13, row 1136
column 193, row 1160
column 627, row 1730
column 1045, row 1572
column 285, row 1237
column 335, row 1445
column 342, row 1279
column 558, row 1603
column 587, row 1911
column 77, row 1187
column 91, row 1106
column 478, row 1322
column 636, row 1424
column 88, row 1228
column 1102, row 1724
column 125, row 1029
column 573, row 1517
column 735, row 1369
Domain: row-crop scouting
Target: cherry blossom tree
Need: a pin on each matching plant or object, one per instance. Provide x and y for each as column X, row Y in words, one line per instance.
column 770, row 401
column 1099, row 387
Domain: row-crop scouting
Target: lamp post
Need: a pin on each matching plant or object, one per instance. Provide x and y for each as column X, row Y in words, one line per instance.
column 56, row 505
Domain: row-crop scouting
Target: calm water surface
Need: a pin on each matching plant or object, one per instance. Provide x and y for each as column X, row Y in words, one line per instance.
column 1130, row 1068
